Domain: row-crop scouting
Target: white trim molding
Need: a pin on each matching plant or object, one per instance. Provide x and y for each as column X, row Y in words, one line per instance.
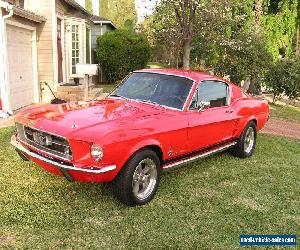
column 105, row 22
column 4, row 77
column 54, row 44
column 82, row 26
column 63, row 47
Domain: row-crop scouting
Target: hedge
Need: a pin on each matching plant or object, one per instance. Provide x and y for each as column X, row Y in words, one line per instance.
column 120, row 52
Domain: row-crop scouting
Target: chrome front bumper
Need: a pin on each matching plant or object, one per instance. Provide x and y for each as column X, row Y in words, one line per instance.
column 61, row 166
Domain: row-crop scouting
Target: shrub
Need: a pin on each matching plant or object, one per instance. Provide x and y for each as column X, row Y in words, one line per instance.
column 242, row 57
column 120, row 52
column 284, row 78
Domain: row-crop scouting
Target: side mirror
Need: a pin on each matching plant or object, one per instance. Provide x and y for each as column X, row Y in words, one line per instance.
column 202, row 105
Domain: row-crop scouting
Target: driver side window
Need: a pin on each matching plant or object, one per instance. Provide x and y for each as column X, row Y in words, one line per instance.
column 213, row 92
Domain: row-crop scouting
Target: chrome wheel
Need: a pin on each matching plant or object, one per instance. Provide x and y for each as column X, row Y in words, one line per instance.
column 144, row 179
column 249, row 140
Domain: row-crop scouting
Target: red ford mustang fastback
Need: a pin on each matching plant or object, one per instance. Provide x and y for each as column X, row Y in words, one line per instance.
column 155, row 120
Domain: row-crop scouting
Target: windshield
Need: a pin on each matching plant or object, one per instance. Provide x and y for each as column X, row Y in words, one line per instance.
column 166, row 90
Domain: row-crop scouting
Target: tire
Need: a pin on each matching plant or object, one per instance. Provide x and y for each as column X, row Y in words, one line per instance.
column 134, row 185
column 246, row 143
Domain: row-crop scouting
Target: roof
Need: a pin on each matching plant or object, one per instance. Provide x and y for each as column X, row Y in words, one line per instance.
column 18, row 11
column 28, row 14
column 99, row 19
column 193, row 75
column 77, row 6
column 88, row 15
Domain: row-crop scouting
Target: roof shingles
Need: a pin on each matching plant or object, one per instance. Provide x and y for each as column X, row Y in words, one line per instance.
column 28, row 14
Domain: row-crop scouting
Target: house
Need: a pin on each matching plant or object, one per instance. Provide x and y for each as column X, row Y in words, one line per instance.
column 42, row 41
column 100, row 27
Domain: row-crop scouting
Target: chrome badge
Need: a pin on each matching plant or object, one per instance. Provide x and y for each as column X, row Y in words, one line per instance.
column 42, row 139
column 74, row 126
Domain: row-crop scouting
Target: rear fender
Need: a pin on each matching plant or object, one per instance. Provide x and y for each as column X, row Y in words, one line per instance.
column 243, row 123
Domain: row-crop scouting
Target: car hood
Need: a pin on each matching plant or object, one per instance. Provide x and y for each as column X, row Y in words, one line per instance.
column 70, row 118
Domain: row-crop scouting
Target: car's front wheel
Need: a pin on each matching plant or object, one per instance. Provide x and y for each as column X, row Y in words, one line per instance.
column 138, row 181
column 246, row 143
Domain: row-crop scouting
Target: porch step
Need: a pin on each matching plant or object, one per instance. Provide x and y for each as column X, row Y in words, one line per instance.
column 73, row 89
column 99, row 97
column 95, row 92
column 71, row 97
column 76, row 93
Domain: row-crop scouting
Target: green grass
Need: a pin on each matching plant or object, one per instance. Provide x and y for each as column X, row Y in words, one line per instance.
column 204, row 205
column 289, row 113
column 107, row 88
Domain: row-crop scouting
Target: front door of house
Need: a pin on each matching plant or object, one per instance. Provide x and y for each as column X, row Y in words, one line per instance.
column 59, row 50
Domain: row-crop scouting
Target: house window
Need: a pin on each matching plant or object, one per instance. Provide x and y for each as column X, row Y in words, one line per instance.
column 75, row 47
column 88, row 45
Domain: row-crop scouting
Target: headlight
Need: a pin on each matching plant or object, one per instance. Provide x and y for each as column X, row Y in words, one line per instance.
column 97, row 152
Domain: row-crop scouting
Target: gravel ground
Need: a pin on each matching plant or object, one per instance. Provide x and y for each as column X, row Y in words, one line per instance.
column 6, row 122
column 282, row 128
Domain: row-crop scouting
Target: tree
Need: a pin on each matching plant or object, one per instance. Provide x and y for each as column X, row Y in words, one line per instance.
column 279, row 25
column 298, row 29
column 119, row 11
column 178, row 18
column 246, row 60
column 164, row 32
column 228, row 45
column 258, row 14
column 89, row 6
column 186, row 14
column 129, row 25
column 120, row 52
column 229, row 36
column 284, row 78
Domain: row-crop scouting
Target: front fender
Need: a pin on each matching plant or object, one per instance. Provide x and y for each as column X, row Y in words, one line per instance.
column 142, row 144
column 122, row 154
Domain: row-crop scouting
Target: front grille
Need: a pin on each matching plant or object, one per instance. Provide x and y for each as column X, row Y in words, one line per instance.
column 49, row 143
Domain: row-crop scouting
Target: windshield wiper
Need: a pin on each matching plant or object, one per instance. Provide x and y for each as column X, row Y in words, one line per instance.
column 151, row 102
column 115, row 95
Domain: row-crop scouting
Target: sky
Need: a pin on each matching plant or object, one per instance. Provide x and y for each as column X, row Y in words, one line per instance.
column 144, row 7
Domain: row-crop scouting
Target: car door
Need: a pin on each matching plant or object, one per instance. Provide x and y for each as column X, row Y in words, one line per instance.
column 214, row 124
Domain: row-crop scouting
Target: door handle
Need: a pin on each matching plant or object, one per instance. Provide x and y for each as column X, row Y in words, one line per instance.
column 229, row 111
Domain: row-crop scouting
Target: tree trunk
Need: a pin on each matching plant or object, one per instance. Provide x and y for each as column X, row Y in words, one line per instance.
column 298, row 38
column 246, row 85
column 298, row 30
column 274, row 97
column 186, row 53
column 258, row 14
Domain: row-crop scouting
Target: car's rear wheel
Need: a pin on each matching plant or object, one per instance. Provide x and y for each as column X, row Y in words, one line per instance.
column 246, row 143
column 138, row 181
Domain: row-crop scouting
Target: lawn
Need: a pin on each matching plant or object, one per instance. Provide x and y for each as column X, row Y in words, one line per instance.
column 289, row 113
column 206, row 205
column 107, row 88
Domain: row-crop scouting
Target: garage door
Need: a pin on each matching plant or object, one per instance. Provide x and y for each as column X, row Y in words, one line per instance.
column 21, row 81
